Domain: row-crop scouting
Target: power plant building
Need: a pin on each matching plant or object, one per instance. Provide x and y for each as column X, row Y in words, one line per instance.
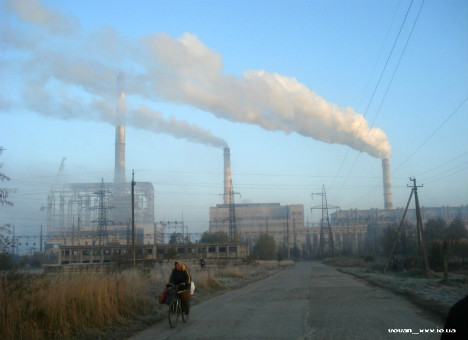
column 284, row 223
column 91, row 214
column 98, row 213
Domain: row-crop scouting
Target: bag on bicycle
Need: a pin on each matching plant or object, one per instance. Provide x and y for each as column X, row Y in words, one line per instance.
column 163, row 296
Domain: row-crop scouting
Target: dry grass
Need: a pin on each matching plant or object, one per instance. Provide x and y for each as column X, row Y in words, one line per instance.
column 86, row 305
column 207, row 280
column 64, row 306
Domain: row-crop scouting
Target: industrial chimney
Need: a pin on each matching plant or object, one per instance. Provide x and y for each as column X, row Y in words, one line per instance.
column 227, row 176
column 119, row 170
column 387, row 187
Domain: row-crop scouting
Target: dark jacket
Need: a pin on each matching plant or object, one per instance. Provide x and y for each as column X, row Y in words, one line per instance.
column 179, row 276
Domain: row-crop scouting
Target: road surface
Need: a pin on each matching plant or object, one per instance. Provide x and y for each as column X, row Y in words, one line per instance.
column 309, row 301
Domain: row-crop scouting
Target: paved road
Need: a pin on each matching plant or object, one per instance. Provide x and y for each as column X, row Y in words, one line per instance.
column 309, row 301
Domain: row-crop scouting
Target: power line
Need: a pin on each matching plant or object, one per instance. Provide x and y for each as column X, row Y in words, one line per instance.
column 391, row 80
column 432, row 134
column 398, row 64
column 445, row 163
column 373, row 93
column 438, row 177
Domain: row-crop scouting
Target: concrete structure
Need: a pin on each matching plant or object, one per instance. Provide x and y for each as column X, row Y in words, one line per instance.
column 106, row 254
column 227, row 177
column 284, row 223
column 387, row 186
column 348, row 239
column 92, row 213
column 119, row 169
column 366, row 216
column 100, row 214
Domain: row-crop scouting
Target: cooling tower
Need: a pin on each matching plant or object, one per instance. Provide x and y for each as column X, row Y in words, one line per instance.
column 387, row 187
column 119, row 170
column 227, row 176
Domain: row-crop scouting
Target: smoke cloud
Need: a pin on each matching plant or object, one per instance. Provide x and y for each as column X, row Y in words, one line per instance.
column 160, row 67
column 150, row 120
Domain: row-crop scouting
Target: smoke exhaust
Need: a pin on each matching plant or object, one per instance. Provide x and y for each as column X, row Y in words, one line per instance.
column 387, row 187
column 227, row 176
column 119, row 170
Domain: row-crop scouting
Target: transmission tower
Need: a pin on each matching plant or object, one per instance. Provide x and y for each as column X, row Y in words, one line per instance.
column 325, row 227
column 101, row 233
column 232, row 215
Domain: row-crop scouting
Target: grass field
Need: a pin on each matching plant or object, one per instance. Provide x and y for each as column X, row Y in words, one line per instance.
column 82, row 305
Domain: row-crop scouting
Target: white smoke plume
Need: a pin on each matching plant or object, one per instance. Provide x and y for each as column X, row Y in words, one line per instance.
column 150, row 120
column 184, row 70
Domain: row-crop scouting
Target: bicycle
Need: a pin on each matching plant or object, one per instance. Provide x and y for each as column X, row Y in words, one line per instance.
column 175, row 305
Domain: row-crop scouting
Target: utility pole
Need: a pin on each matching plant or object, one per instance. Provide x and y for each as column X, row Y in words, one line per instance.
column 422, row 246
column 287, row 236
column 133, row 219
column 398, row 232
column 232, row 217
column 40, row 246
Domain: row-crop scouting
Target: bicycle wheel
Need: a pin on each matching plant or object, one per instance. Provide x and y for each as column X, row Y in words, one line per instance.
column 173, row 314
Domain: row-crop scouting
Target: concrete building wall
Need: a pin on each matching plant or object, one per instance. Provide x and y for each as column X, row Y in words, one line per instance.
column 255, row 219
column 105, row 254
column 356, row 216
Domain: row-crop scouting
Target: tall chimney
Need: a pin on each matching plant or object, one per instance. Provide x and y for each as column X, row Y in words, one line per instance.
column 119, row 170
column 387, row 187
column 227, row 176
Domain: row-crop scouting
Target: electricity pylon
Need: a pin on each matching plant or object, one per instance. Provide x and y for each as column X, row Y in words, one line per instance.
column 325, row 227
column 102, row 221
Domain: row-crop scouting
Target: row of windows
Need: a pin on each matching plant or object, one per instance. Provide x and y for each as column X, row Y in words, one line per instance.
column 160, row 251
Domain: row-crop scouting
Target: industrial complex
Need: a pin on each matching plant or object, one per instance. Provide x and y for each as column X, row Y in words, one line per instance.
column 94, row 222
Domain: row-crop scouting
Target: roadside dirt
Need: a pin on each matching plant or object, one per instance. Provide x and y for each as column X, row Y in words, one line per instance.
column 431, row 294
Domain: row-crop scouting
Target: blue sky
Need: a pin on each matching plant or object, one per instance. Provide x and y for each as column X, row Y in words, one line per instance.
column 255, row 74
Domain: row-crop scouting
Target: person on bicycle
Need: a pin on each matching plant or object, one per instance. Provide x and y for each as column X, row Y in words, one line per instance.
column 180, row 277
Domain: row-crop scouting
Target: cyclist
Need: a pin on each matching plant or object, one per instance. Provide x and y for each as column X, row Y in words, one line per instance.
column 180, row 277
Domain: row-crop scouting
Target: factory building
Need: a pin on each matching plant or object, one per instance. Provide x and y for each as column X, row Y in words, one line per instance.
column 365, row 216
column 98, row 213
column 284, row 223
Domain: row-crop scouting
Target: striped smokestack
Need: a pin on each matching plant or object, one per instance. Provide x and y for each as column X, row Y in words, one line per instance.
column 119, row 170
column 387, row 187
column 227, row 176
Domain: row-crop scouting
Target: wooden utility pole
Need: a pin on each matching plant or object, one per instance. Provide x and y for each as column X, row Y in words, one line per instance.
column 422, row 245
column 422, row 256
column 133, row 219
column 287, row 235
column 398, row 232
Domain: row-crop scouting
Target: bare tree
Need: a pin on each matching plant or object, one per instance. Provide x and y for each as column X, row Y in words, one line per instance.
column 6, row 241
